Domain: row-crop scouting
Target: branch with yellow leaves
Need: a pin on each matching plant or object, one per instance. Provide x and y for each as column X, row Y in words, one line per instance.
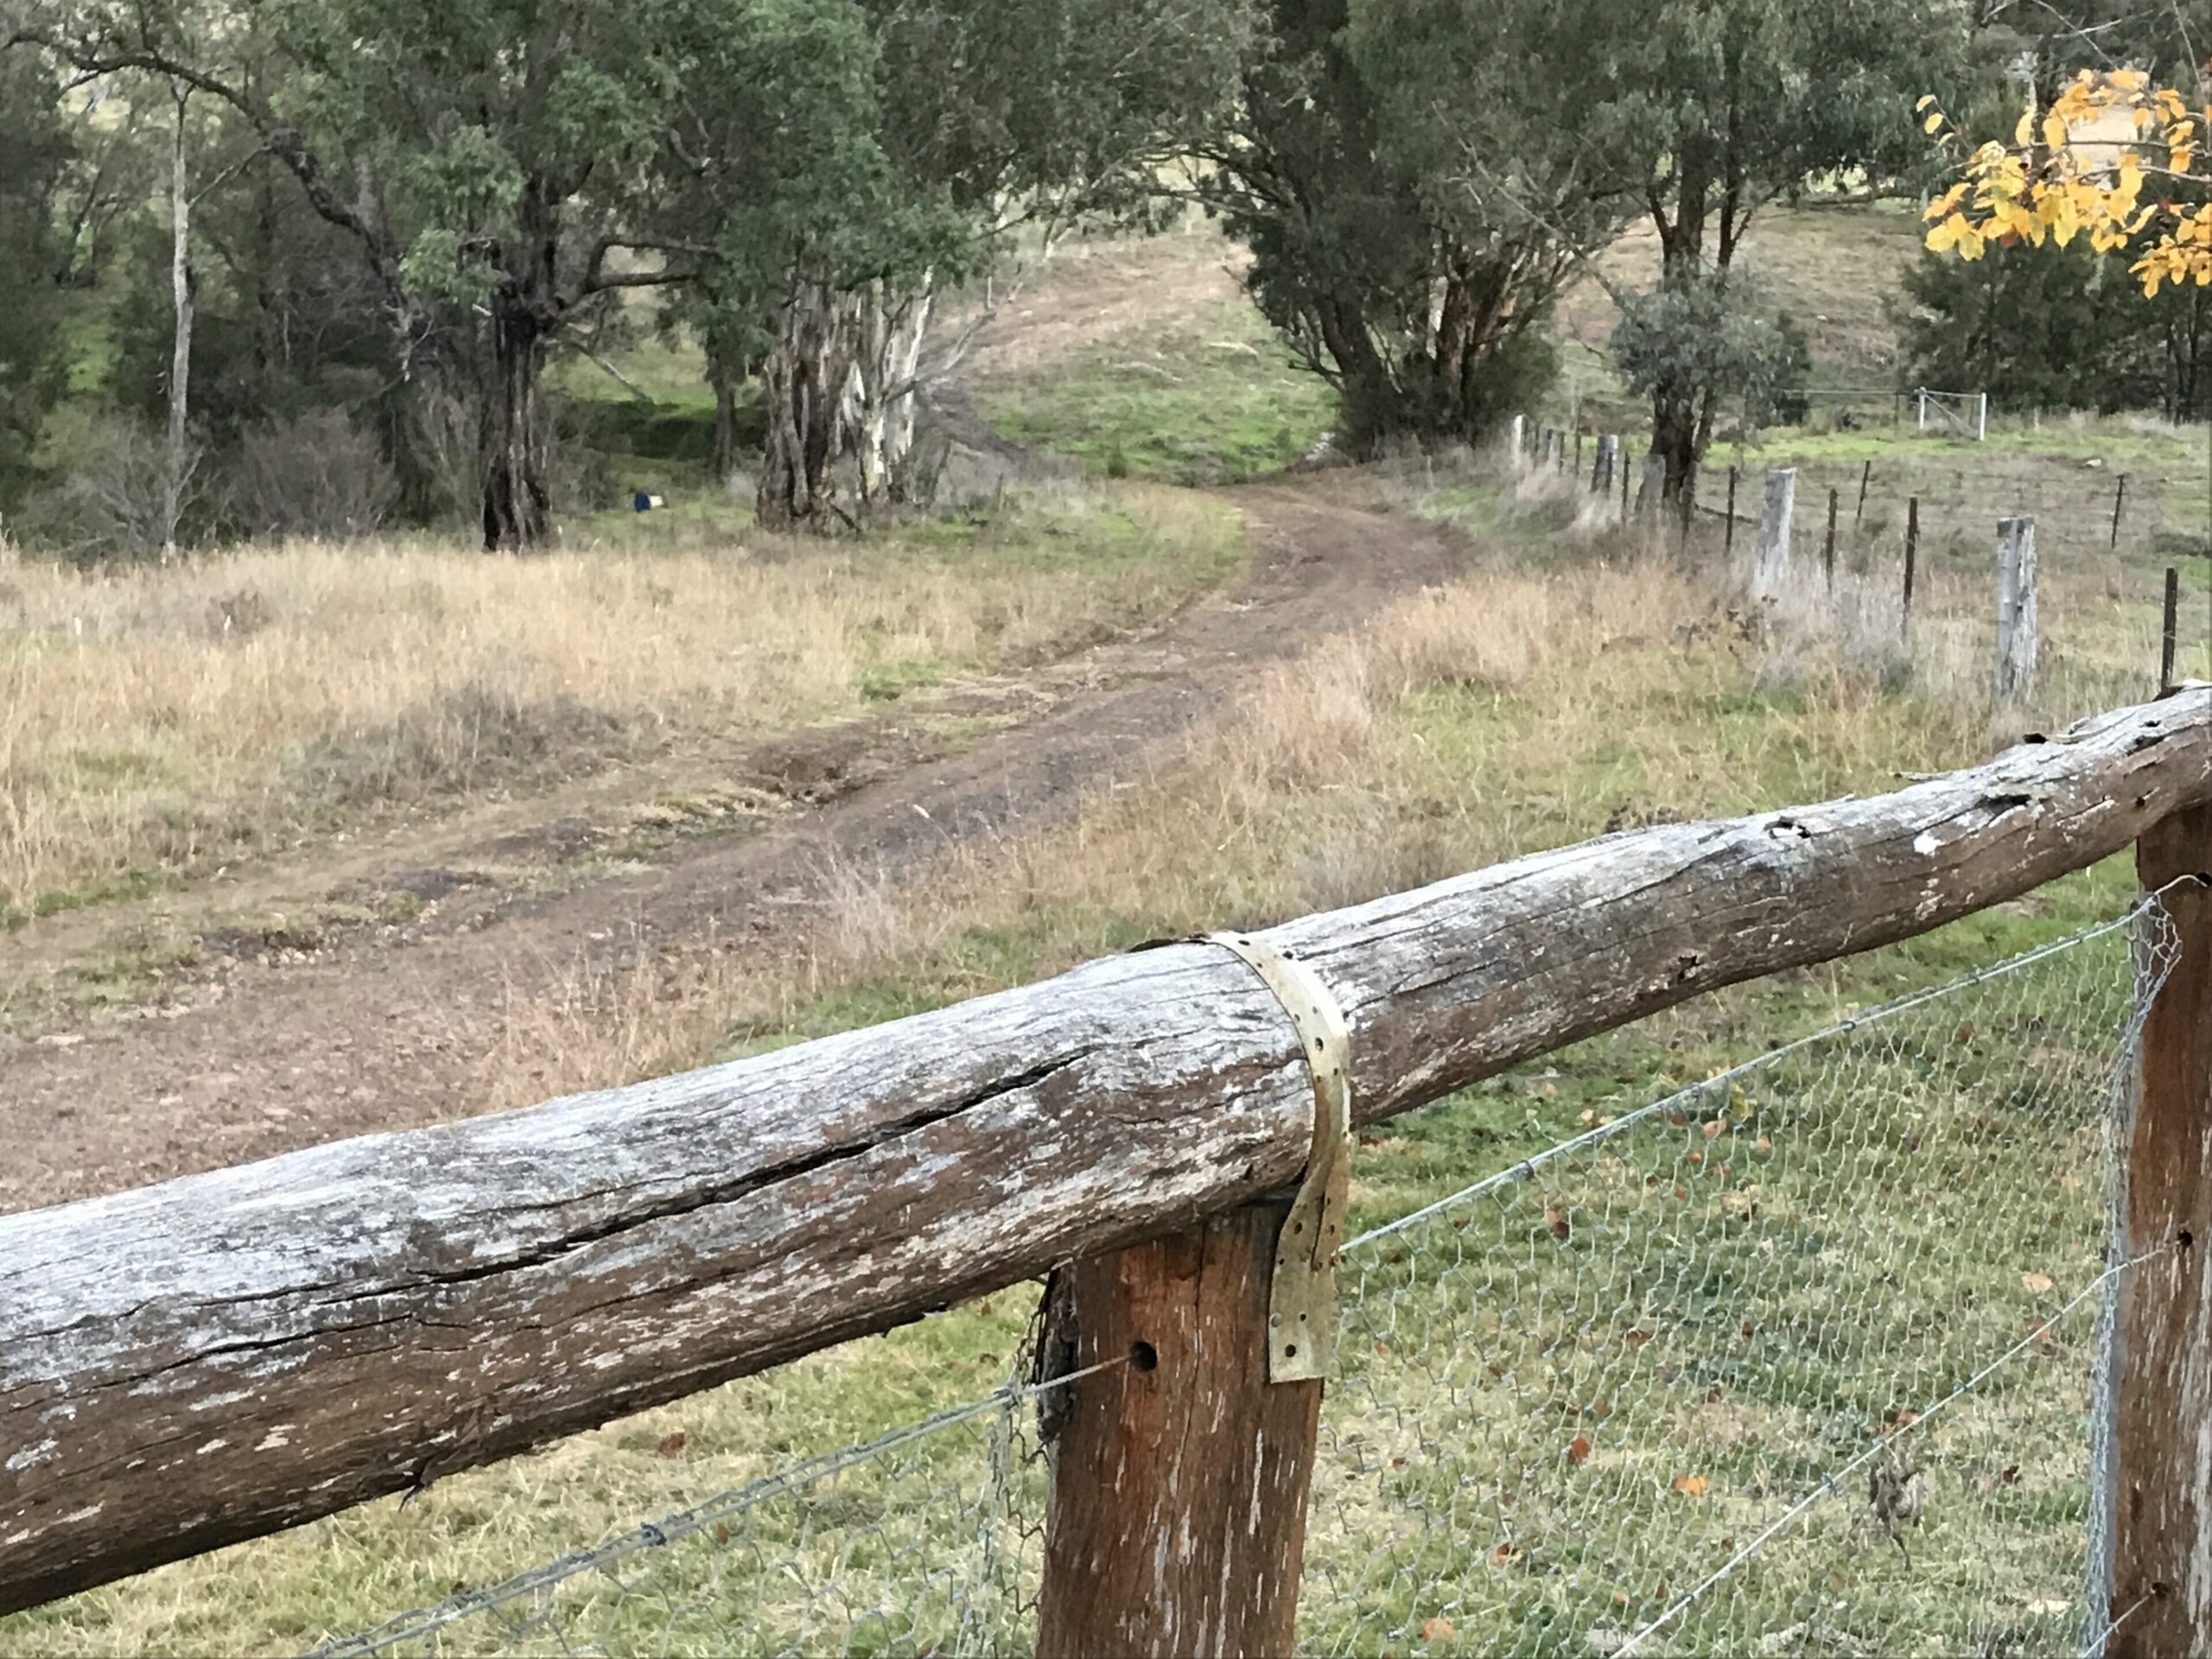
column 2081, row 167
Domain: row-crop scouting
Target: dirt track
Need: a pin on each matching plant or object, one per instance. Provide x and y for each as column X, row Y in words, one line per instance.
column 386, row 1033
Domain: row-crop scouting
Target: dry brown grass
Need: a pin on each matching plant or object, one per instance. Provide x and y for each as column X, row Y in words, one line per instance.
column 1511, row 710
column 1323, row 743
column 158, row 721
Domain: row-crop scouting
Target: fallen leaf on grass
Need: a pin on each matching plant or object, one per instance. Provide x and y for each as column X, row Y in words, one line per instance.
column 2038, row 1282
column 1637, row 1339
column 1557, row 1220
column 1437, row 1630
column 1690, row 1485
column 1712, row 1127
column 1578, row 1449
column 1503, row 1554
column 672, row 1446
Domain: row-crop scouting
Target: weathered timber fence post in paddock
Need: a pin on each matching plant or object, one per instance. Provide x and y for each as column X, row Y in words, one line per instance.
column 1516, row 443
column 2016, row 608
column 1178, row 1518
column 2169, row 630
column 1828, row 547
column 1728, row 533
column 1601, row 465
column 2118, row 498
column 2158, row 1498
column 1911, row 559
column 222, row 1355
column 1858, row 512
column 1772, row 568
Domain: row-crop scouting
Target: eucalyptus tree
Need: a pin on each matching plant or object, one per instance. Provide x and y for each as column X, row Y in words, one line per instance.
column 1414, row 199
column 498, row 164
column 1419, row 178
column 984, row 131
column 1716, row 108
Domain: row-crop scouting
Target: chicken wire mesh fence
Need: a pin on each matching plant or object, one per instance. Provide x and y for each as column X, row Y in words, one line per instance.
column 1804, row 1359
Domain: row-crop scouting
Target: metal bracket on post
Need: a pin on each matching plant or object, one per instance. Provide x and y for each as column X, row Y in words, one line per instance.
column 1302, row 1293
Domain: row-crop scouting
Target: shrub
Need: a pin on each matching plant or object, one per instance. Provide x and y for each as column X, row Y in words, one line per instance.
column 318, row 475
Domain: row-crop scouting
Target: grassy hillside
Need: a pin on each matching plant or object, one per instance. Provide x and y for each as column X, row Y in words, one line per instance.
column 1834, row 268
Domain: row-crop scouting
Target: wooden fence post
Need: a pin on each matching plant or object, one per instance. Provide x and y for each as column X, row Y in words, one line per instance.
column 1578, row 453
column 1177, row 1516
column 1773, row 563
column 2159, row 1494
column 1620, row 451
column 2016, row 608
column 1858, row 512
column 1601, row 465
column 2169, row 631
column 1728, row 536
column 1911, row 558
column 1517, row 443
column 2119, row 497
column 1828, row 547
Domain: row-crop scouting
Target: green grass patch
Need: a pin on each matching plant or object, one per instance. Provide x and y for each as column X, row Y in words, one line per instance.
column 1208, row 397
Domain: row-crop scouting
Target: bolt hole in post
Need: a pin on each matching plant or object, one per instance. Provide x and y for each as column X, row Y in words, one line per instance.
column 1144, row 1355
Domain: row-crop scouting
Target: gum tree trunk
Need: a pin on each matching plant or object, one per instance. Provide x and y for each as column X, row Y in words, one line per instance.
column 516, row 517
column 177, row 458
column 725, row 456
column 526, row 311
column 888, row 364
column 805, row 384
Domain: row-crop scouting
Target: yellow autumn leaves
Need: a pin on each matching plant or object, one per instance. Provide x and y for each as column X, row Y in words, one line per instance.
column 2080, row 169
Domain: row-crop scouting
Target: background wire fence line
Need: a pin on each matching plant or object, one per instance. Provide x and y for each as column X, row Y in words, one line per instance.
column 1802, row 1359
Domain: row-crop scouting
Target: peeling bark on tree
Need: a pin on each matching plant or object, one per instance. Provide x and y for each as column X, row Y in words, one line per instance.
column 887, row 366
column 805, row 383
column 224, row 1355
column 526, row 309
column 177, row 457
column 517, row 504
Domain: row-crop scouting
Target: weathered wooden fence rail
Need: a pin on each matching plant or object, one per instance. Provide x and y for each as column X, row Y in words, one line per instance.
column 216, row 1357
